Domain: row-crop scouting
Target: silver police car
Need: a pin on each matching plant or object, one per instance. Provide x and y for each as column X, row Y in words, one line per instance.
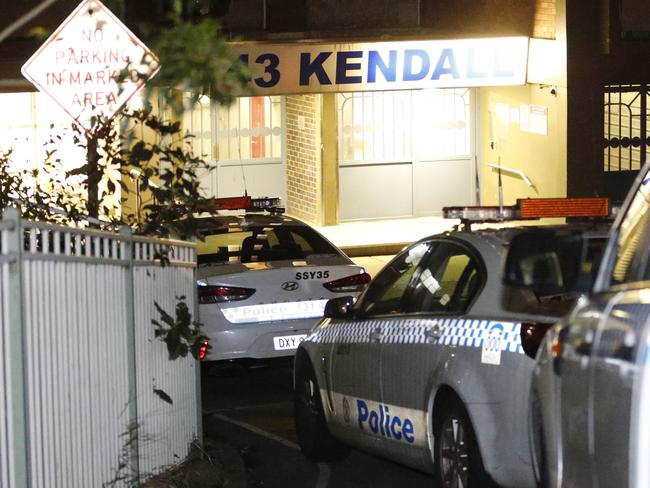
column 427, row 368
column 263, row 281
column 590, row 399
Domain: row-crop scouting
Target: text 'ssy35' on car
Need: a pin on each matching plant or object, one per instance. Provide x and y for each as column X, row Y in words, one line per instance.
column 264, row 278
column 427, row 367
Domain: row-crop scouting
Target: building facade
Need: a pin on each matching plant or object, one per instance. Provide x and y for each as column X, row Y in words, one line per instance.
column 364, row 144
column 393, row 109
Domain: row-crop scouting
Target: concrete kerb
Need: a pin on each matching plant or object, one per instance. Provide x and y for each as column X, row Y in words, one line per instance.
column 374, row 249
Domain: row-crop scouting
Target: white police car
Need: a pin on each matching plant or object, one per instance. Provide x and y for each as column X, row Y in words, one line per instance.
column 263, row 281
column 427, row 368
column 590, row 398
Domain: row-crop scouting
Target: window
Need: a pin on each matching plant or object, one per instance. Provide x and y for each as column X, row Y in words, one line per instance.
column 626, row 114
column 630, row 251
column 197, row 123
column 385, row 293
column 36, row 130
column 448, row 283
column 380, row 126
column 261, row 244
column 443, row 119
column 27, row 122
column 375, row 126
column 249, row 130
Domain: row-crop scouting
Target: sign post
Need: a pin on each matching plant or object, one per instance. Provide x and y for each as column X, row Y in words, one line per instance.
column 91, row 66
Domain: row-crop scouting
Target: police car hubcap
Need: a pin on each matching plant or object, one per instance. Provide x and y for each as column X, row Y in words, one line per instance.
column 454, row 459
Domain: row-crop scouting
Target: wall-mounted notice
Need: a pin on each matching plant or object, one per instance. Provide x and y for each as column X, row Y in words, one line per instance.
column 534, row 119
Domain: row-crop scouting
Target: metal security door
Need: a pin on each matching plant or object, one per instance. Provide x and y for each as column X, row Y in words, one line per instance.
column 443, row 163
column 243, row 144
column 405, row 153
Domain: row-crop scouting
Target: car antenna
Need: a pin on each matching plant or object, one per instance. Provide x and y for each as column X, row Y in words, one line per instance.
column 500, row 185
column 477, row 181
column 241, row 163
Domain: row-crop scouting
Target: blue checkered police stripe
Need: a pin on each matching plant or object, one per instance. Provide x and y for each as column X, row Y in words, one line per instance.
column 453, row 332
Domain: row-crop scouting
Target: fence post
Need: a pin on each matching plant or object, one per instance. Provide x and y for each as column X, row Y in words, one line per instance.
column 16, row 377
column 134, row 427
column 199, row 399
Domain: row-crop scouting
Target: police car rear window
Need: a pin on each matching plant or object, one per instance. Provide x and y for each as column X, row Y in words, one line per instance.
column 262, row 244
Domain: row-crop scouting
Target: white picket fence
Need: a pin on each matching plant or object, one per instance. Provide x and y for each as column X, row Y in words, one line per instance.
column 82, row 377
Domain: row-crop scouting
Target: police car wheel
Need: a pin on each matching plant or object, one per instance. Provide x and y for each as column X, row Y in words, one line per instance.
column 458, row 462
column 315, row 440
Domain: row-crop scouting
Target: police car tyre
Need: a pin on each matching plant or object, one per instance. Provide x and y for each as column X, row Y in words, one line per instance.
column 458, row 462
column 314, row 438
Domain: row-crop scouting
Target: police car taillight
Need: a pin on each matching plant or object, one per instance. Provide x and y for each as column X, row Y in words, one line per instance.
column 532, row 335
column 352, row 283
column 203, row 350
column 220, row 293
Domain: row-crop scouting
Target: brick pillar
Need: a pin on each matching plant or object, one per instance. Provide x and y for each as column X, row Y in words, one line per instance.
column 544, row 27
column 304, row 157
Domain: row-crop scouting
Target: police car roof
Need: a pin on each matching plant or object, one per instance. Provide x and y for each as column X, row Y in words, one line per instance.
column 503, row 235
column 226, row 221
column 491, row 244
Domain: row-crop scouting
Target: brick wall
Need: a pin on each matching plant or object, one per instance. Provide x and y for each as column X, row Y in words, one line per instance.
column 303, row 157
column 544, row 27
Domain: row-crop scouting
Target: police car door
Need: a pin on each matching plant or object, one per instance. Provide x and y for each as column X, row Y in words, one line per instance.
column 412, row 345
column 617, row 344
column 355, row 362
column 640, row 428
column 597, row 358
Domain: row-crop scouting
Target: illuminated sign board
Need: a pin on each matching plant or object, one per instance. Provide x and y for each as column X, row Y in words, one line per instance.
column 317, row 68
column 79, row 64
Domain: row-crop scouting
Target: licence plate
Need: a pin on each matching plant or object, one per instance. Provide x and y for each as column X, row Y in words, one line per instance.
column 283, row 343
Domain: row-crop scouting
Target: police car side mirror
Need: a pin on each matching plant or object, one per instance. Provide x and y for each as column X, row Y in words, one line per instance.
column 339, row 308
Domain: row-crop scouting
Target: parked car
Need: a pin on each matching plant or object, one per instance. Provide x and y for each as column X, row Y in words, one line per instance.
column 427, row 368
column 590, row 395
column 263, row 281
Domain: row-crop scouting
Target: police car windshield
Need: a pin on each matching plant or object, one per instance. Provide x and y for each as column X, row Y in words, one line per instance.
column 262, row 244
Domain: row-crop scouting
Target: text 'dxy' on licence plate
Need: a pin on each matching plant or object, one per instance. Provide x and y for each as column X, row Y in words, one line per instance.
column 287, row 342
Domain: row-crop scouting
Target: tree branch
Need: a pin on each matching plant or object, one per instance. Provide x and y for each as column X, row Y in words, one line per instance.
column 11, row 28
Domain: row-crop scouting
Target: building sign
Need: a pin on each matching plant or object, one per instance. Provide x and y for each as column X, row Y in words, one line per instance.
column 79, row 64
column 315, row 68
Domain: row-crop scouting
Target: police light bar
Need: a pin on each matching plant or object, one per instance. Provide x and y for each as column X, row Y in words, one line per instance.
column 246, row 203
column 264, row 203
column 479, row 214
column 537, row 208
column 531, row 208
column 232, row 203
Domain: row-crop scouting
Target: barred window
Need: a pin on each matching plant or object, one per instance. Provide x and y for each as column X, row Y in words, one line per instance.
column 626, row 135
column 381, row 126
column 375, row 126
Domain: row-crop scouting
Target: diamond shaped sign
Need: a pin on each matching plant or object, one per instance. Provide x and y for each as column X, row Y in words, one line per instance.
column 79, row 65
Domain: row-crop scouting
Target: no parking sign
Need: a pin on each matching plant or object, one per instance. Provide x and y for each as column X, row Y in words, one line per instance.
column 79, row 65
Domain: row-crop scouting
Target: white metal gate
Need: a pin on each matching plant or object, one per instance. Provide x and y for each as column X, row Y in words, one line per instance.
column 405, row 153
column 81, row 371
column 244, row 143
